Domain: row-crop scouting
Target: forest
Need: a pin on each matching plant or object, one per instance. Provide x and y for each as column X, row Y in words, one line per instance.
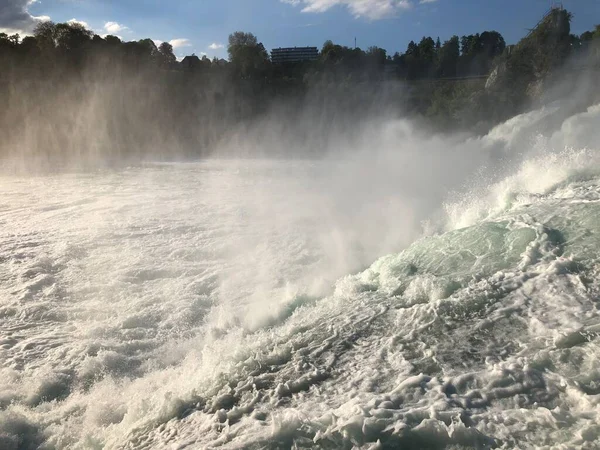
column 70, row 93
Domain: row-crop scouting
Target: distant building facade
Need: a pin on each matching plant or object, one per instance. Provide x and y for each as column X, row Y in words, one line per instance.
column 294, row 54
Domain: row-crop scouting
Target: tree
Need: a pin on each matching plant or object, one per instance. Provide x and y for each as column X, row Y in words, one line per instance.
column 408, row 63
column 448, row 58
column 331, row 53
column 478, row 52
column 45, row 33
column 412, row 49
column 29, row 45
column 427, row 49
column 470, row 46
column 349, row 59
column 575, row 42
column 5, row 42
column 71, row 36
column 14, row 39
column 550, row 42
column 376, row 56
column 248, row 57
column 237, row 42
column 148, row 47
column 591, row 39
column 206, row 63
column 491, row 43
column 97, row 40
column 166, row 55
column 112, row 40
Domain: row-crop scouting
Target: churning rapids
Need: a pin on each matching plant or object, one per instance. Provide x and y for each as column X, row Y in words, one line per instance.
column 236, row 304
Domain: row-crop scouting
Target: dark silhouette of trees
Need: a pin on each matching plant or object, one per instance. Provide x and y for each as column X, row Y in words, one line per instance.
column 7, row 41
column 466, row 56
column 45, row 33
column 71, row 37
column 478, row 52
column 448, row 55
column 376, row 56
column 167, row 58
column 113, row 41
column 341, row 59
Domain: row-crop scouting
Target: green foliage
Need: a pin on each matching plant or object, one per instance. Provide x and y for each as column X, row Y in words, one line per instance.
column 448, row 57
column 167, row 58
column 590, row 40
column 71, row 37
column 7, row 41
column 248, row 57
column 45, row 33
column 478, row 52
column 376, row 56
column 344, row 57
column 427, row 49
column 466, row 56
column 112, row 40
column 240, row 39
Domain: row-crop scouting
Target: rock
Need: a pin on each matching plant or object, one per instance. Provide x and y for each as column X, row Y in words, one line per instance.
column 496, row 76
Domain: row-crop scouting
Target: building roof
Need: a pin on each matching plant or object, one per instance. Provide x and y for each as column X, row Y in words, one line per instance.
column 291, row 49
column 190, row 58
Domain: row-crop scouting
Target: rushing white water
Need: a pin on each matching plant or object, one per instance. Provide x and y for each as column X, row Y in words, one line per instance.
column 210, row 304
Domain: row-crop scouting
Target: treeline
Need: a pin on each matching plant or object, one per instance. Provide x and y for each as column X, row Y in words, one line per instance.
column 68, row 92
column 72, row 45
column 469, row 55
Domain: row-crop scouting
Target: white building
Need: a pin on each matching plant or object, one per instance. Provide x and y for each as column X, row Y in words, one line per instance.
column 294, row 54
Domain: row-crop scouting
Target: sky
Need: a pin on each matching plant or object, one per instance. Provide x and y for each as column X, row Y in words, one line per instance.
column 202, row 26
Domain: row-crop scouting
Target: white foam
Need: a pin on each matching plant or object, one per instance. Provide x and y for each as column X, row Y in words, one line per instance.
column 196, row 304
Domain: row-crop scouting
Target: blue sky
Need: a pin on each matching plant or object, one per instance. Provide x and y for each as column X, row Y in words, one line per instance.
column 202, row 26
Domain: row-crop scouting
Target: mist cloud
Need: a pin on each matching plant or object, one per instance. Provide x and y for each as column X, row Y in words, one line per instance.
column 15, row 16
column 371, row 9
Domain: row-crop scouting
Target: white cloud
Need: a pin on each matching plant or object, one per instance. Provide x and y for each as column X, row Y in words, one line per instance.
column 371, row 9
column 15, row 16
column 178, row 43
column 114, row 27
column 79, row 22
column 427, row 1
column 215, row 46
